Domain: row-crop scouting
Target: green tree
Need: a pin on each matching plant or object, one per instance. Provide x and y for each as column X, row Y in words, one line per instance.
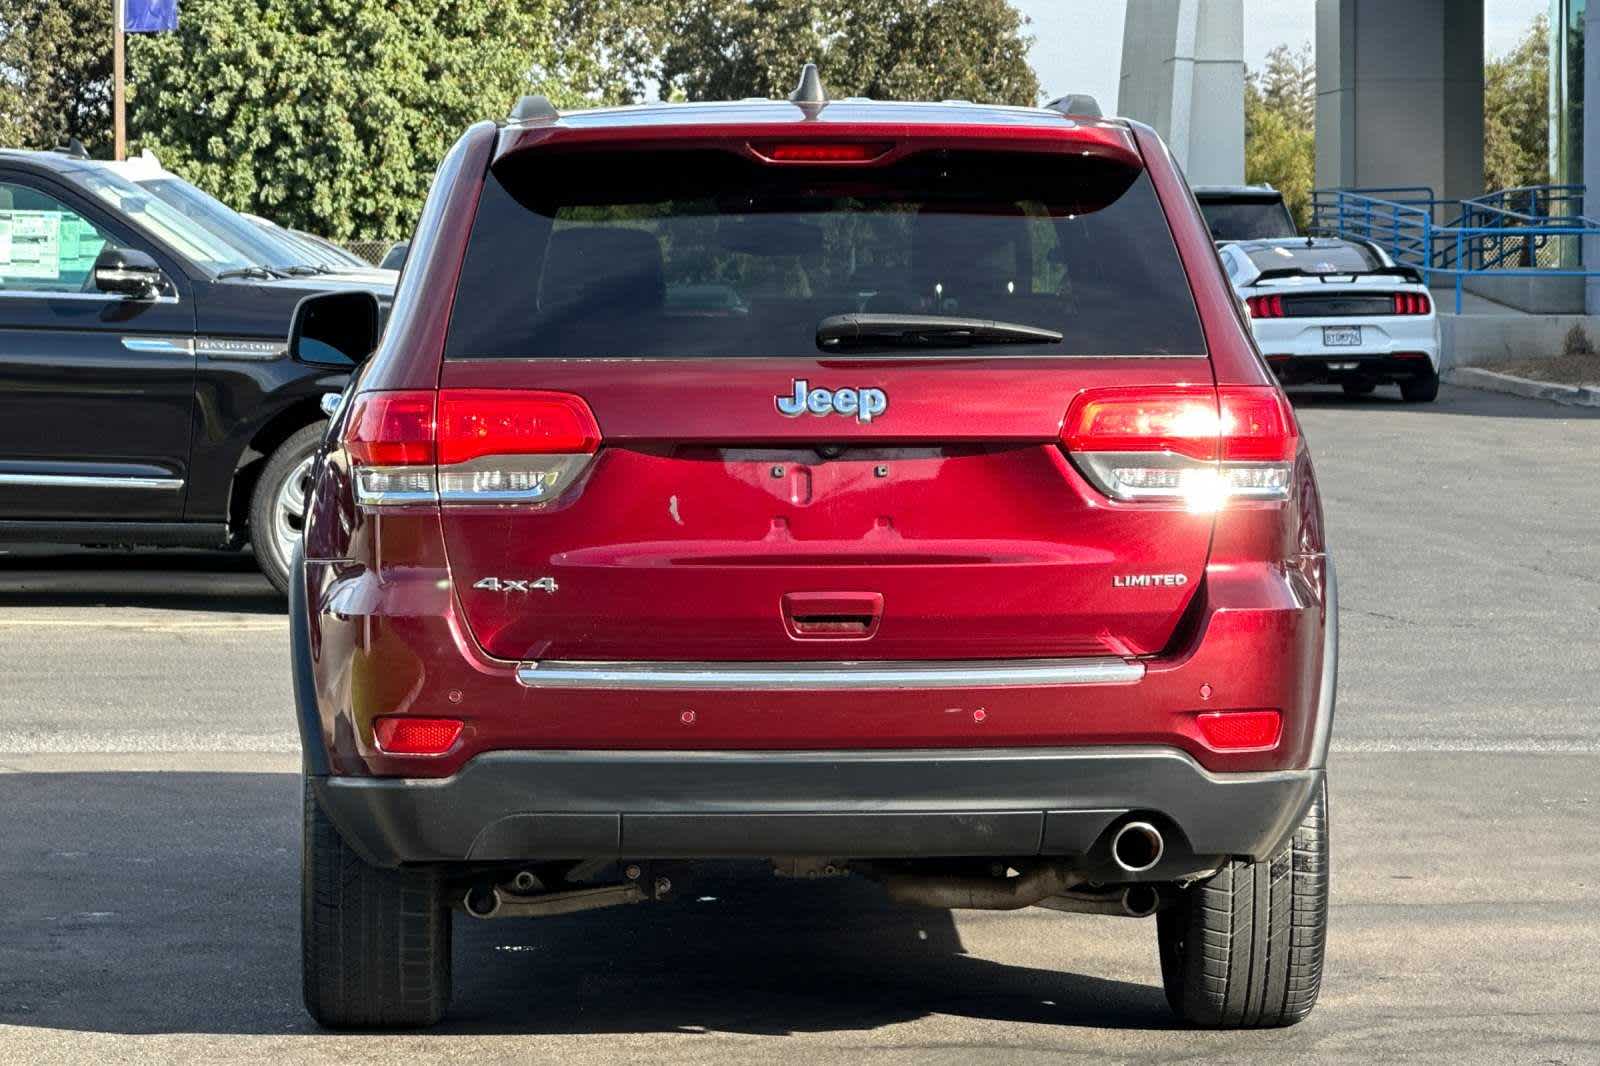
column 332, row 115
column 885, row 49
column 1288, row 84
column 55, row 73
column 1516, row 124
column 932, row 50
column 1280, row 104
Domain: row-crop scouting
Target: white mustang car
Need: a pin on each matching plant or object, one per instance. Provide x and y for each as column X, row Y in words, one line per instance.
column 1331, row 311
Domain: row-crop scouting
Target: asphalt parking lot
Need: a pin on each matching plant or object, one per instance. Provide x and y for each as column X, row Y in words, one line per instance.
column 149, row 841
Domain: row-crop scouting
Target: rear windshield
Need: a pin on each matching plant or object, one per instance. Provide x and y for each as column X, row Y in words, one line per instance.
column 1314, row 259
column 706, row 253
column 1247, row 220
column 693, row 254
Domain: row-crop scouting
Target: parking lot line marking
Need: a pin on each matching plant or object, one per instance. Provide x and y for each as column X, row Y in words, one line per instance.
column 252, row 625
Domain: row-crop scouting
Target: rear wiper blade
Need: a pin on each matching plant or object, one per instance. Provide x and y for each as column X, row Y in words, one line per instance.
column 925, row 331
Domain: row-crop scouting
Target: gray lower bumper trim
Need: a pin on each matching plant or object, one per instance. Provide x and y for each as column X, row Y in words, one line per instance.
column 525, row 805
column 829, row 676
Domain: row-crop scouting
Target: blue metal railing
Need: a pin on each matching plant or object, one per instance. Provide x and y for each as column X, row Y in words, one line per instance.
column 1534, row 231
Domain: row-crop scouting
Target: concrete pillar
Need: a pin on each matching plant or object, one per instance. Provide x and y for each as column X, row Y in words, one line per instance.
column 1183, row 73
column 1400, row 94
column 1591, row 156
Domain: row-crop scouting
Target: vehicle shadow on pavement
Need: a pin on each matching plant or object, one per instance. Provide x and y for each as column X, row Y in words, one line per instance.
column 46, row 576
column 142, row 903
column 1451, row 401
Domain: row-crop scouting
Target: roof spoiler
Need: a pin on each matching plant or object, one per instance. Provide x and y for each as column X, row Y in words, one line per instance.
column 1406, row 273
column 1075, row 104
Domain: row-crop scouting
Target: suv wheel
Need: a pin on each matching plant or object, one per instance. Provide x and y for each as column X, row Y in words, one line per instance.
column 278, row 505
column 1244, row 949
column 1423, row 389
column 374, row 943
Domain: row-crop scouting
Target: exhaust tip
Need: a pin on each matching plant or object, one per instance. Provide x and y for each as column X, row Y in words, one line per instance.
column 481, row 902
column 1140, row 901
column 1137, row 847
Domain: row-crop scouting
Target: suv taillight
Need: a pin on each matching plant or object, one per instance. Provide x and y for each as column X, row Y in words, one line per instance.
column 1265, row 306
column 1190, row 444
column 468, row 445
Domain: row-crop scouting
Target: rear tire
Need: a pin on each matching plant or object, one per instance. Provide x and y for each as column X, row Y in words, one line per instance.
column 1244, row 949
column 1421, row 390
column 375, row 943
column 278, row 504
column 1359, row 388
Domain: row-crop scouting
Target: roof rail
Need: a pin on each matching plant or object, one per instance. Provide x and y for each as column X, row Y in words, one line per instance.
column 531, row 107
column 1075, row 104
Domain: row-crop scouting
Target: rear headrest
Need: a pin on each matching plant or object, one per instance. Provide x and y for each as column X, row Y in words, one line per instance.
column 603, row 264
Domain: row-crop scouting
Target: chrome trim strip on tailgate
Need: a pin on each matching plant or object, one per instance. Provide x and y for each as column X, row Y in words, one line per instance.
column 829, row 676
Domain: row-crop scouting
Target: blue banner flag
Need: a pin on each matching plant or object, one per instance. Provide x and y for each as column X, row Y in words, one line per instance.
column 151, row 16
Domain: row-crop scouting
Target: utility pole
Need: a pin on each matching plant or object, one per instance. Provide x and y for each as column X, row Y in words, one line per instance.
column 119, row 115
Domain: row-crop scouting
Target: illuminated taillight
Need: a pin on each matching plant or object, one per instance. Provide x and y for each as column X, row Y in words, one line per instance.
column 468, row 445
column 1240, row 730
column 511, row 445
column 1265, row 306
column 405, row 735
column 1411, row 303
column 821, row 151
column 389, row 438
column 1190, row 444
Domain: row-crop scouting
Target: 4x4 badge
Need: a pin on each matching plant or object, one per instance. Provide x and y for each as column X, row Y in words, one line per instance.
column 862, row 404
column 508, row 584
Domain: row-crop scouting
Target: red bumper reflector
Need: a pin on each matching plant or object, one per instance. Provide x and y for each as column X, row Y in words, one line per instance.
column 404, row 735
column 1240, row 730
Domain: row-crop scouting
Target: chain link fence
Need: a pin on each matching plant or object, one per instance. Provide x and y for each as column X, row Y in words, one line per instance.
column 371, row 251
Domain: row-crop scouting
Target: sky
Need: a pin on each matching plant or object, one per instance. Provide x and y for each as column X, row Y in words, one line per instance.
column 1078, row 43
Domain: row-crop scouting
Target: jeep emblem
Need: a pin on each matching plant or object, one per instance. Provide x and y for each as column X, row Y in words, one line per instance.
column 861, row 404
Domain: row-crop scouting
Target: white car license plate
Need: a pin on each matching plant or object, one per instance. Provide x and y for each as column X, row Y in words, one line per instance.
column 1341, row 336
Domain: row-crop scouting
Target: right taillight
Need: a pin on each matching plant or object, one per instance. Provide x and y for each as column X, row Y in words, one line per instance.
column 1188, row 444
column 471, row 446
column 1411, row 303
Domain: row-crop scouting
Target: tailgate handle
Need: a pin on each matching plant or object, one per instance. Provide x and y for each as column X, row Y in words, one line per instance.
column 832, row 615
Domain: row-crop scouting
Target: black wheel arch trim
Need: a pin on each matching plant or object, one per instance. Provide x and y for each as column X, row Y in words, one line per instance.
column 313, row 750
column 1327, row 694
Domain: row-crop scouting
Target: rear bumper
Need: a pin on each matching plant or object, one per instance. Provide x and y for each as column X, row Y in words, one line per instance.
column 527, row 805
column 1393, row 348
column 1355, row 367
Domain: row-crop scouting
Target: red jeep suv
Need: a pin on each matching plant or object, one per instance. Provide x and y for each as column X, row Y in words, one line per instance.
column 877, row 489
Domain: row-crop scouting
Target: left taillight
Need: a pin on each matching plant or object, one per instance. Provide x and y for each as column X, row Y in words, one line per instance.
column 1266, row 306
column 1188, row 444
column 468, row 445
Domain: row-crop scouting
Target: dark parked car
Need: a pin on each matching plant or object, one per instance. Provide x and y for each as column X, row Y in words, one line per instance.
column 1245, row 212
column 888, row 489
column 146, row 394
column 395, row 257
